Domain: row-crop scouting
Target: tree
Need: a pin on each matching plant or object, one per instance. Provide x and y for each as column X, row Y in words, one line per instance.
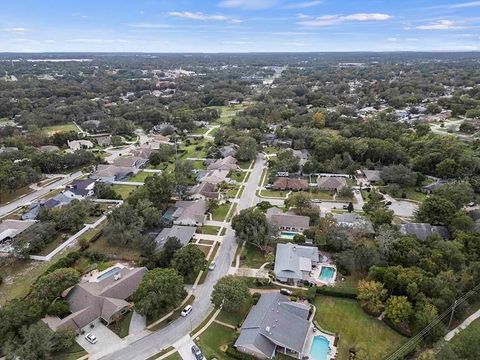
column 350, row 207
column 459, row 193
column 50, row 286
column 247, row 148
column 381, row 216
column 251, row 226
column 385, row 238
column 163, row 154
column 424, row 314
column 151, row 215
column 399, row 174
column 319, row 120
column 183, row 172
column 105, row 191
column 34, row 344
column 188, row 261
column 231, row 293
column 299, row 200
column 436, row 210
column 159, row 189
column 160, row 290
column 124, row 226
column 398, row 310
column 371, row 295
column 345, row 192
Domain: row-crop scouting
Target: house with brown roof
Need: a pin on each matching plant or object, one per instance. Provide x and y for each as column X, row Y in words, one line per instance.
column 104, row 297
column 213, row 176
column 190, row 213
column 229, row 163
column 285, row 183
column 287, row 221
column 134, row 162
column 204, row 190
column 331, row 183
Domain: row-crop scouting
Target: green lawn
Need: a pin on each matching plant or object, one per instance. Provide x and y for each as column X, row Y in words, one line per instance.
column 244, row 164
column 355, row 328
column 10, row 196
column 459, row 340
column 200, row 131
column 214, row 339
column 60, row 128
column 122, row 326
column 232, row 191
column 238, row 176
column 208, row 229
column 220, row 212
column 252, row 257
column 235, row 318
column 140, row 177
column 124, row 190
column 322, row 195
column 273, row 193
column 75, row 352
column 270, row 149
column 125, row 253
column 199, row 165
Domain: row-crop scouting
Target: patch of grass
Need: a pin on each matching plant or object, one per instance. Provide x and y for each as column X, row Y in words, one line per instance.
column 223, row 232
column 235, row 318
column 460, row 339
column 232, row 191
column 199, row 165
column 205, row 249
column 349, row 284
column 208, row 229
column 244, row 164
column 355, row 328
column 124, row 190
column 6, row 197
column 200, row 131
column 220, row 212
column 270, row 150
column 238, row 176
column 252, row 257
column 122, row 326
column 50, row 130
column 274, row 193
column 102, row 246
column 322, row 195
column 140, row 176
column 75, row 352
column 214, row 339
column 52, row 245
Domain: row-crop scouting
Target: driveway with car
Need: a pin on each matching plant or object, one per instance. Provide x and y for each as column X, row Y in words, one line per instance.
column 107, row 340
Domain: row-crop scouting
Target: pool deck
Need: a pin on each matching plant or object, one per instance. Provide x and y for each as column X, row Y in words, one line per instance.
column 312, row 332
column 93, row 276
column 315, row 274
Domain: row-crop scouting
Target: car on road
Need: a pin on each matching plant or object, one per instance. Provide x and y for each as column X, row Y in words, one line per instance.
column 212, row 265
column 286, row 292
column 187, row 310
column 345, row 207
column 388, row 203
column 357, row 191
column 92, row 339
column 316, row 201
column 197, row 352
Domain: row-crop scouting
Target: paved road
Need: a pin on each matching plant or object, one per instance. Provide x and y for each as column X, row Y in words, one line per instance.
column 155, row 342
column 25, row 200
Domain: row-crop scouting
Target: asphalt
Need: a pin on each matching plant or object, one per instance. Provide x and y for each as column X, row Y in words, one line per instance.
column 157, row 341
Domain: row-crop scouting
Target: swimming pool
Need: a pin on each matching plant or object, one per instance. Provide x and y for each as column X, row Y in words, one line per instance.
column 108, row 273
column 327, row 274
column 320, row 348
column 288, row 234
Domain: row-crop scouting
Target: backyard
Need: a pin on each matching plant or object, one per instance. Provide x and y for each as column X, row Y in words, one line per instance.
column 124, row 190
column 214, row 341
column 355, row 328
column 140, row 177
column 60, row 128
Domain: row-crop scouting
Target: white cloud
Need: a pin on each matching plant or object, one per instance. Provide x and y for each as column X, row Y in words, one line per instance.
column 464, row 5
column 18, row 30
column 440, row 25
column 303, row 5
column 202, row 16
column 248, row 4
column 146, row 25
column 328, row 20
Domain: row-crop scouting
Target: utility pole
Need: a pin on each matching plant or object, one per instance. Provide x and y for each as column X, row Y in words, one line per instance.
column 451, row 315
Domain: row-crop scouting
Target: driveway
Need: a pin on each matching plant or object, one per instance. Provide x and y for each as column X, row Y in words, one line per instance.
column 184, row 347
column 107, row 340
column 402, row 208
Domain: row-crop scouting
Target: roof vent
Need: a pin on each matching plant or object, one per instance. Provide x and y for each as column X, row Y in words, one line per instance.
column 267, row 329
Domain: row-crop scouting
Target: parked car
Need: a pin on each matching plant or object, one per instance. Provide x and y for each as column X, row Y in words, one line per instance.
column 212, row 265
column 286, row 292
column 92, row 339
column 316, row 201
column 197, row 352
column 187, row 310
column 345, row 207
column 357, row 191
column 388, row 203
column 471, row 204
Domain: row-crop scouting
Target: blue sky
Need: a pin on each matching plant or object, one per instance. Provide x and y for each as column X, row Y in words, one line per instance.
column 239, row 25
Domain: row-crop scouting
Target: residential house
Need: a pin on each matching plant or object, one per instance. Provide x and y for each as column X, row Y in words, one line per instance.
column 111, row 173
column 161, row 139
column 104, row 140
column 275, row 324
column 229, row 163
column 354, row 222
column 49, row 148
column 422, row 231
column 204, row 190
column 331, row 183
column 79, row 144
column 294, row 263
column 80, row 189
column 303, row 155
column 228, row 151
column 183, row 233
column 56, row 201
column 287, row 221
column 190, row 213
column 285, row 183
column 430, row 188
column 372, row 176
column 285, row 143
column 105, row 298
column 133, row 162
column 213, row 176
column 10, row 228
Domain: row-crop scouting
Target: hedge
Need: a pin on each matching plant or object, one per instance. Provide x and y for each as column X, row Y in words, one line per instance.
column 329, row 291
column 235, row 354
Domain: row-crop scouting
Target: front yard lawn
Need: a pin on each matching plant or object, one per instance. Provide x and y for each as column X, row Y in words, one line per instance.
column 140, row 176
column 122, row 326
column 235, row 318
column 232, row 191
column 238, row 176
column 208, row 229
column 75, row 352
column 214, row 341
column 274, row 193
column 60, row 128
column 124, row 190
column 355, row 328
column 220, row 212
column 252, row 257
column 244, row 164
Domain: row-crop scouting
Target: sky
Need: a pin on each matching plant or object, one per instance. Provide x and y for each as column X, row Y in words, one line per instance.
column 239, row 25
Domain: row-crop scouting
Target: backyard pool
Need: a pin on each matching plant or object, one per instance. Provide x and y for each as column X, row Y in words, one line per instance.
column 109, row 272
column 327, row 274
column 320, row 348
column 288, row 234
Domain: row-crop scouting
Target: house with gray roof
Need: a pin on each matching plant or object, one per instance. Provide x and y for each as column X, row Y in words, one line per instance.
column 183, row 233
column 80, row 189
column 287, row 221
column 10, row 228
column 190, row 213
column 275, row 324
column 204, row 190
column 111, row 173
column 422, row 230
column 294, row 263
column 133, row 162
column 430, row 188
column 56, row 201
column 331, row 183
column 104, row 298
column 372, row 176
column 354, row 222
column 228, row 163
